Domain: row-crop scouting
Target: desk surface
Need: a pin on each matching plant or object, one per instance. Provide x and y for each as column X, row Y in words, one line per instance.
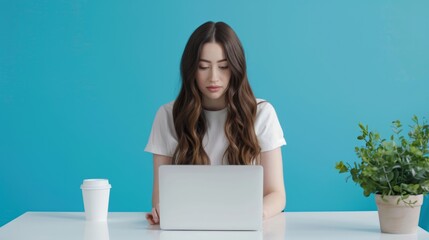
column 132, row 225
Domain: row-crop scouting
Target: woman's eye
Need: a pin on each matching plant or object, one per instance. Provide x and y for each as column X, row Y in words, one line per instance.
column 203, row 67
column 223, row 67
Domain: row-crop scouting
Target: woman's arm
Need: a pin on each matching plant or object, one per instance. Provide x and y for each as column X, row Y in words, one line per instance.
column 158, row 160
column 274, row 189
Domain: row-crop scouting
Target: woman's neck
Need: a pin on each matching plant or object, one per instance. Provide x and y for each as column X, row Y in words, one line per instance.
column 214, row 105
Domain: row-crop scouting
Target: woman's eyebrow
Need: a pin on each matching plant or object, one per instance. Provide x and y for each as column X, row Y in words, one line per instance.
column 204, row 60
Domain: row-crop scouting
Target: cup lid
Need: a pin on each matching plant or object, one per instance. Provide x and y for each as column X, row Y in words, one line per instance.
column 95, row 184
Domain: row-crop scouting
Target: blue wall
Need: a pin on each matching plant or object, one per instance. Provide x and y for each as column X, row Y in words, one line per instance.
column 80, row 82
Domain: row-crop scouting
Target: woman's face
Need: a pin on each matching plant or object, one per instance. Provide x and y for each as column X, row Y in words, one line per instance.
column 213, row 76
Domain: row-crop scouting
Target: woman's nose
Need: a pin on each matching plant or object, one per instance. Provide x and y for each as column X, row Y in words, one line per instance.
column 214, row 75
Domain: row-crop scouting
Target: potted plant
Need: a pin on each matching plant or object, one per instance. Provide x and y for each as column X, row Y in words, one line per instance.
column 396, row 170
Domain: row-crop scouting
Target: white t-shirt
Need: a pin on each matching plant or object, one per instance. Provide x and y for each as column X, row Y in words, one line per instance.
column 163, row 138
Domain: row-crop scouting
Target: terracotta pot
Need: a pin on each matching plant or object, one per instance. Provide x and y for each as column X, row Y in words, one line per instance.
column 399, row 217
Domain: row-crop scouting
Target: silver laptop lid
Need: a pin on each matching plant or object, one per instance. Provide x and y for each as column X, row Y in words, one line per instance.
column 211, row 197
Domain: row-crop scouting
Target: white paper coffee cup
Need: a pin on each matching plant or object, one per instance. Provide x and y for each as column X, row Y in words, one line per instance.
column 96, row 199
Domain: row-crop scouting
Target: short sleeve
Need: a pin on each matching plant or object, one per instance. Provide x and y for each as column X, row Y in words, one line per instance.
column 163, row 138
column 267, row 128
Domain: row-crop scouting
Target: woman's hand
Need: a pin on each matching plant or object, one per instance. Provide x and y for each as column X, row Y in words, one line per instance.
column 274, row 189
column 158, row 160
column 153, row 218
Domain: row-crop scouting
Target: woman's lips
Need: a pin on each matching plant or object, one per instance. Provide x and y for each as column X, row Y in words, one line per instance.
column 214, row 88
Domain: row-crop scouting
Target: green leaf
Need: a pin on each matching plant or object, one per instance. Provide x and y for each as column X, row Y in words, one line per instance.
column 425, row 185
column 341, row 167
column 397, row 189
column 366, row 192
column 411, row 188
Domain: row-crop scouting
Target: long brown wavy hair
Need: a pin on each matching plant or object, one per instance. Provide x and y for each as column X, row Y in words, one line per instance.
column 188, row 114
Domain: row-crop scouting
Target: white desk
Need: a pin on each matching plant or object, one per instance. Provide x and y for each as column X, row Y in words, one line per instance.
column 132, row 225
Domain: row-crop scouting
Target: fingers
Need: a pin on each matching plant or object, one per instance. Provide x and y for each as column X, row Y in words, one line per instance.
column 149, row 218
column 153, row 218
column 155, row 215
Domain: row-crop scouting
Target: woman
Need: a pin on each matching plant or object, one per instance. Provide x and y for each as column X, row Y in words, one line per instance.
column 216, row 119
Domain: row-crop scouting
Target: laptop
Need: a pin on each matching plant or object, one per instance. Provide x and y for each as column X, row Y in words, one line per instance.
column 203, row 197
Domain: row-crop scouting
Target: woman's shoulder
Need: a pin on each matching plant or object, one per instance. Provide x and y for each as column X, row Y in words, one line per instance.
column 264, row 105
column 166, row 109
column 167, row 106
column 265, row 110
